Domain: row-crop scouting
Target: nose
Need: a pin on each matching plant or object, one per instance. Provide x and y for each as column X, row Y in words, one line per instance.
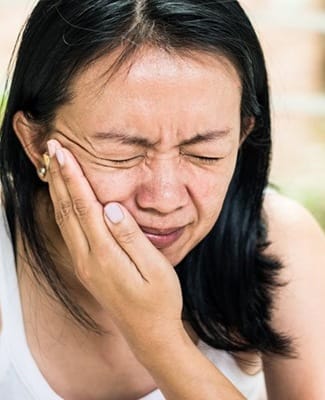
column 163, row 188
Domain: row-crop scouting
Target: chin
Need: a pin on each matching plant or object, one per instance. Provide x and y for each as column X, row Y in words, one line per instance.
column 174, row 259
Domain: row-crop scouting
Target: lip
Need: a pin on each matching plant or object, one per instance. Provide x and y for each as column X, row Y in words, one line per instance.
column 162, row 238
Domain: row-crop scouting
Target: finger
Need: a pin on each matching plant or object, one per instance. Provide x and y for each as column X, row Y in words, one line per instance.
column 64, row 213
column 105, row 251
column 129, row 236
column 86, row 207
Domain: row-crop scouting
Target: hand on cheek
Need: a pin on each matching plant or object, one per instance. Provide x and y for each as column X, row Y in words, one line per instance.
column 112, row 257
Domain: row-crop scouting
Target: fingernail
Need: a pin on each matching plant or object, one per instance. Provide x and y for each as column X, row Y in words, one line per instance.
column 59, row 156
column 51, row 148
column 114, row 213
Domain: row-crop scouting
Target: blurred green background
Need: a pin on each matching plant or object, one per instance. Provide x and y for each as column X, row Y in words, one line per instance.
column 292, row 33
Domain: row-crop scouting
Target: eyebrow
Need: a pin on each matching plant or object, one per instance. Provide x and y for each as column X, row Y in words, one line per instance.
column 208, row 136
column 130, row 140
column 123, row 138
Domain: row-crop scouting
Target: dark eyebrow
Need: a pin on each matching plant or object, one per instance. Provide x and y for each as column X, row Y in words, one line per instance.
column 144, row 142
column 123, row 139
column 208, row 136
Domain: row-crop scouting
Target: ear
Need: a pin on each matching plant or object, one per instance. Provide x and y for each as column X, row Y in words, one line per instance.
column 248, row 126
column 31, row 137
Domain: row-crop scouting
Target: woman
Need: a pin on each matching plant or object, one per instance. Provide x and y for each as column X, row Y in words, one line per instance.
column 144, row 257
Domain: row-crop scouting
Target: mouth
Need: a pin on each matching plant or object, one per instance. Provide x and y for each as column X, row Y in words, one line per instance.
column 162, row 238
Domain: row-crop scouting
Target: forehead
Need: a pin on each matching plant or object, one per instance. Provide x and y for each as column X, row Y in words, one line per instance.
column 155, row 65
column 154, row 85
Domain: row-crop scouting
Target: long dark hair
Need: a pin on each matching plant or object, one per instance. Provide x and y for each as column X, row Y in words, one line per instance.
column 227, row 282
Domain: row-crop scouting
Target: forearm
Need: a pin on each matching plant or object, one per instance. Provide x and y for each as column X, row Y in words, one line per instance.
column 181, row 371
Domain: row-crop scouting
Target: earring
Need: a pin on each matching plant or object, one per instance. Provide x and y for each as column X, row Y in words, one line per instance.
column 42, row 171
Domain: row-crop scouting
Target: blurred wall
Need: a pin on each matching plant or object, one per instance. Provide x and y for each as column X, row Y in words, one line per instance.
column 12, row 16
column 293, row 37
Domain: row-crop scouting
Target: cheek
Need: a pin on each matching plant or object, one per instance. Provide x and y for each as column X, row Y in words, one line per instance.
column 210, row 193
column 112, row 185
column 210, row 201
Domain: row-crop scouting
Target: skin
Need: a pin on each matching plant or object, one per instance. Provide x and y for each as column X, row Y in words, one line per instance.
column 162, row 189
column 165, row 185
column 299, row 242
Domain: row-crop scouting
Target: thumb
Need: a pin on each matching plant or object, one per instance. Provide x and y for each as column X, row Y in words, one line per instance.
column 133, row 241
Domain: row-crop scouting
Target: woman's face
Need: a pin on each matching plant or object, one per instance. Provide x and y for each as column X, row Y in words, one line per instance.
column 161, row 137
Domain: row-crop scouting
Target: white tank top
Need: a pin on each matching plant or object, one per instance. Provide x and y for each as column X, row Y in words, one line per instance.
column 20, row 378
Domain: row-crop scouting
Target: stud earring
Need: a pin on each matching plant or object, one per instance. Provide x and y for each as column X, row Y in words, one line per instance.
column 42, row 171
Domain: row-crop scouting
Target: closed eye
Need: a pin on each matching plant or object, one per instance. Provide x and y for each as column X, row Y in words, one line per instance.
column 123, row 163
column 202, row 159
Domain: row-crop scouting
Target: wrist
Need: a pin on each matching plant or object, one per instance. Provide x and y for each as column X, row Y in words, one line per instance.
column 174, row 352
column 161, row 346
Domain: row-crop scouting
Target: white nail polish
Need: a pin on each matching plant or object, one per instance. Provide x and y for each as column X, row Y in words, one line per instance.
column 59, row 156
column 114, row 213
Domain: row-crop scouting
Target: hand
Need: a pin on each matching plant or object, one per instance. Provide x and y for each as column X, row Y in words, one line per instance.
column 112, row 257
column 130, row 278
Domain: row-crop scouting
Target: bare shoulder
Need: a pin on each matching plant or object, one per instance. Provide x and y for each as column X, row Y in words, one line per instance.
column 292, row 230
column 298, row 241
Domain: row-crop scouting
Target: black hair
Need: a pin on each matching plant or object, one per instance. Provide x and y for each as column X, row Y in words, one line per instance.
column 227, row 281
